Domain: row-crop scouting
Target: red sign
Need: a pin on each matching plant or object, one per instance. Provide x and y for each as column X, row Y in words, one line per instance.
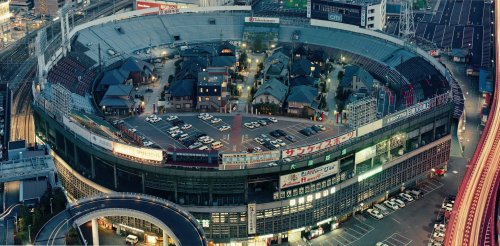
column 161, row 5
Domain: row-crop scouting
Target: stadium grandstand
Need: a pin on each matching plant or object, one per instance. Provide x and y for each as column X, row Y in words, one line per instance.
column 250, row 202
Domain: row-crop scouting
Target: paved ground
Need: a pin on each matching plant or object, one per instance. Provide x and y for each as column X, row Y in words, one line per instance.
column 157, row 132
column 106, row 236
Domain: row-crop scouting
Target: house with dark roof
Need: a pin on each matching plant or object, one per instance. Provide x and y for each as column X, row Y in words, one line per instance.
column 115, row 76
column 357, row 79
column 319, row 57
column 139, row 71
column 117, row 100
column 276, row 67
column 211, row 88
column 273, row 91
column 302, row 100
column 190, row 67
column 303, row 81
column 224, row 61
column 180, row 94
column 302, row 67
column 459, row 55
column 226, row 49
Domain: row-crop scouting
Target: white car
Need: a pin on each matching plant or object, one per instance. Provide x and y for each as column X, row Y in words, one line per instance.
column 447, row 206
column 186, row 126
column 273, row 119
column 406, row 197
column 203, row 115
column 172, row 117
column 195, row 145
column 286, row 160
column 224, row 128
column 398, row 202
column 438, row 234
column 255, row 124
column 274, row 143
column 321, row 127
column 249, row 125
column 215, row 120
column 391, row 205
column 257, row 149
column 207, row 140
column 381, row 244
column 280, row 142
column 132, row 130
column 148, row 143
column 203, row 147
column 375, row 213
column 259, row 140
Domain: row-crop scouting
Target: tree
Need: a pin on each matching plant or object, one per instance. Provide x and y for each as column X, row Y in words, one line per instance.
column 243, row 60
column 322, row 103
column 257, row 44
column 340, row 75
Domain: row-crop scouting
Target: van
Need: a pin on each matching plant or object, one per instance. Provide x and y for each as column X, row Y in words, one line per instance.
column 381, row 208
column 217, row 145
column 175, row 128
column 131, row 239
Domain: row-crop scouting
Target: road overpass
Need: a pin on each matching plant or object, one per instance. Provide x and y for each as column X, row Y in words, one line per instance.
column 175, row 222
column 472, row 221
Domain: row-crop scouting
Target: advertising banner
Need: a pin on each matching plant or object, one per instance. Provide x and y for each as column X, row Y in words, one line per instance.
column 335, row 17
column 141, row 153
column 250, row 158
column 101, row 142
column 309, row 8
column 311, row 175
column 164, row 8
column 262, row 20
column 77, row 129
column 365, row 154
column 252, row 218
column 318, row 146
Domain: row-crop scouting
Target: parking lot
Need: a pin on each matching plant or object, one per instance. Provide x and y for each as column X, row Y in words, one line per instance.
column 237, row 138
column 410, row 225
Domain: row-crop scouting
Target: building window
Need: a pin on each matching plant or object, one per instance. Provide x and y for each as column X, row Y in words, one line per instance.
column 206, row 90
column 177, row 106
column 218, row 98
column 187, row 105
column 207, row 98
column 199, row 99
column 201, row 89
column 215, row 90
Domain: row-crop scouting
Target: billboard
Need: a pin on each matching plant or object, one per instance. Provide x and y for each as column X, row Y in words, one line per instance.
column 335, row 17
column 164, row 7
column 310, row 175
column 304, row 150
column 343, row 12
column 262, row 20
column 101, row 142
column 250, row 158
column 365, row 129
column 77, row 129
column 365, row 154
column 252, row 218
column 141, row 153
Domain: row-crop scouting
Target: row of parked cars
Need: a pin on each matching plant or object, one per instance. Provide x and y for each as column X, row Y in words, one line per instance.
column 399, row 201
column 439, row 230
column 309, row 131
column 210, row 118
column 260, row 123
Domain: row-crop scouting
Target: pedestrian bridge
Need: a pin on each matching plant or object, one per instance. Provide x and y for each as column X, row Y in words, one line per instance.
column 175, row 222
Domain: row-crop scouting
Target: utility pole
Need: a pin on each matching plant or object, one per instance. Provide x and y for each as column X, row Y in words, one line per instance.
column 406, row 21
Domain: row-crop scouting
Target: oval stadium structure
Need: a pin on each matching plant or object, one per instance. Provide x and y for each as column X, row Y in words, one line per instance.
column 235, row 195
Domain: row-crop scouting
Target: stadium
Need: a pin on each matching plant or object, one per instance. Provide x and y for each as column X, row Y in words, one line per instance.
column 238, row 196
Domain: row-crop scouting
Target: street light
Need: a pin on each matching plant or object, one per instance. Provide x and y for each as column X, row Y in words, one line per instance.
column 29, row 233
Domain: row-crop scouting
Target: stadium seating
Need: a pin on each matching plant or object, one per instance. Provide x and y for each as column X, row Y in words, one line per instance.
column 73, row 75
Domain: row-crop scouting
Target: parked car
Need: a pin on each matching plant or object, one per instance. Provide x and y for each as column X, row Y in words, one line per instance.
column 275, row 134
column 398, row 202
column 406, row 197
column 224, row 128
column 391, row 205
column 257, row 149
column 272, row 164
column 274, row 120
column 215, row 120
column 262, row 122
column 291, row 138
column 259, row 140
column 186, row 126
column 281, row 132
column 249, row 125
column 375, row 213
column 172, row 117
column 280, row 142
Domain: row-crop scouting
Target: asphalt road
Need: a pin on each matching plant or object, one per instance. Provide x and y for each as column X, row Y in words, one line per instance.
column 53, row 232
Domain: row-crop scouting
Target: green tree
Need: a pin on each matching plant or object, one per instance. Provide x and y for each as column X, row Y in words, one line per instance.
column 258, row 45
column 243, row 60
column 340, row 75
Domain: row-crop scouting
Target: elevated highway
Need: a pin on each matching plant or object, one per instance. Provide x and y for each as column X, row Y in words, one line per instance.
column 472, row 220
column 175, row 222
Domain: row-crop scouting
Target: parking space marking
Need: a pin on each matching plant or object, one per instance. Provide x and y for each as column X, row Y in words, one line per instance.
column 399, row 240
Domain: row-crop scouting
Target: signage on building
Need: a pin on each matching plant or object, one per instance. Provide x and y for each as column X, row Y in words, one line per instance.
column 252, row 218
column 141, row 153
column 309, row 8
column 365, row 154
column 101, row 142
column 304, row 150
column 335, row 17
column 262, row 20
column 363, row 16
column 78, row 130
column 250, row 158
column 310, row 175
